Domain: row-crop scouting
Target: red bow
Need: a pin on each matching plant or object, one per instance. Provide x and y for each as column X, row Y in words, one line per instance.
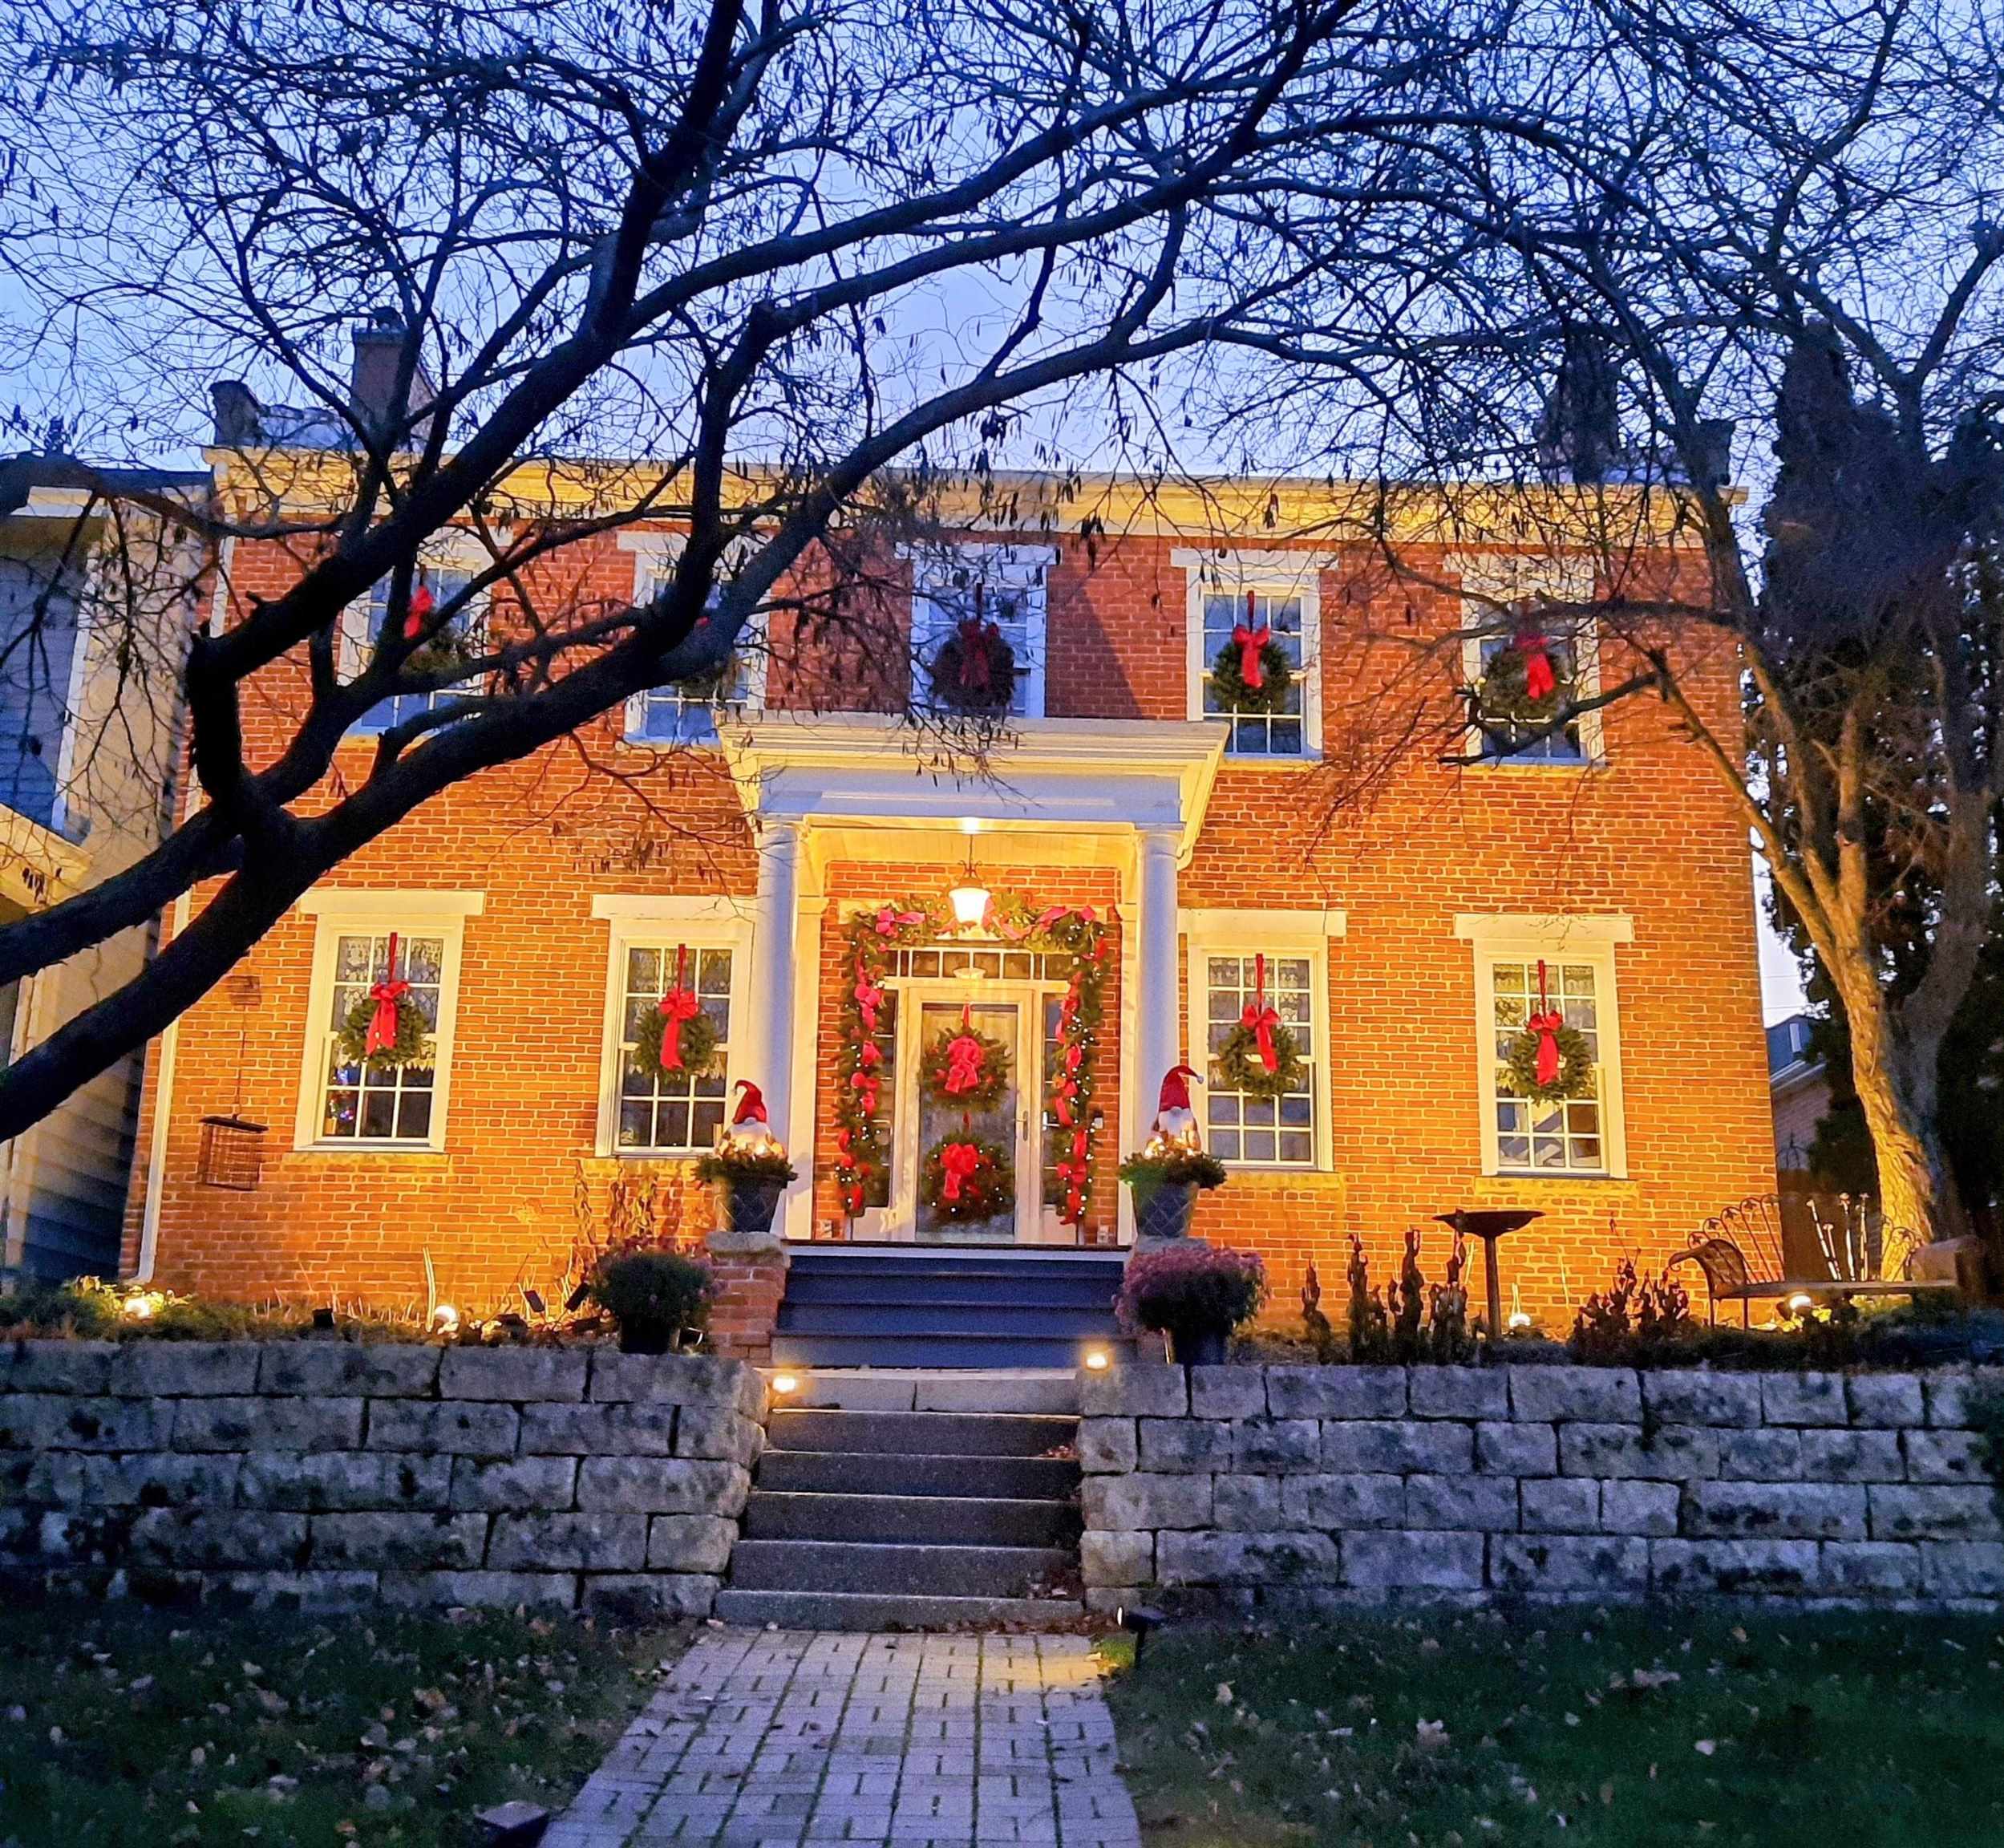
column 421, row 604
column 963, row 1060
column 1249, row 643
column 1546, row 1024
column 866, row 1085
column 382, row 1023
column 890, row 920
column 679, row 1004
column 977, row 640
column 957, row 1161
column 870, row 998
column 1260, row 1016
column 1066, row 1090
column 1540, row 681
column 1073, row 1174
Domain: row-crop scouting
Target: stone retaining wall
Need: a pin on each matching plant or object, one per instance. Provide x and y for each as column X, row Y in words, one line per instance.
column 328, row 1473
column 1345, row 1484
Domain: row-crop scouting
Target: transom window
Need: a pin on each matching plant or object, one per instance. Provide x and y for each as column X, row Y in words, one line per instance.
column 686, row 712
column 998, row 584
column 995, row 960
column 1567, row 1137
column 465, row 634
column 1279, row 733
column 1279, row 1132
column 370, row 1100
column 675, row 1111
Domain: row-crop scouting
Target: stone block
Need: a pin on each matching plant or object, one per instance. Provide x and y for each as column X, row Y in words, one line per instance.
column 639, row 1598
column 294, row 1593
column 1387, row 1448
column 516, row 1375
column 1107, row 1446
column 1803, row 1398
column 675, row 1380
column 1887, row 1399
column 663, row 1485
column 1478, row 1504
column 1645, row 1508
column 1870, row 1568
column 400, row 1542
column 1117, row 1558
column 1246, row 1503
column 690, row 1543
column 1535, row 1565
column 1563, row 1505
column 1774, row 1511
column 449, row 1429
column 721, row 1432
column 514, row 1483
column 471, row 1591
column 1336, row 1392
column 1770, row 1454
column 1339, row 1503
column 1702, row 1398
column 264, row 1424
column 1141, row 1391
column 1592, row 1395
column 1852, row 1457
column 142, row 1479
column 184, row 1369
column 1127, row 1503
column 1949, row 1392
column 335, row 1480
column 1267, row 1560
column 1227, row 1391
column 1734, row 1568
column 1513, row 1449
column 596, row 1540
column 1943, row 1457
column 346, row 1369
column 209, row 1539
column 619, row 1427
column 1380, row 1560
column 83, row 1368
column 1672, row 1453
column 1184, row 1446
column 54, row 1421
column 1932, row 1513
column 1459, row 1392
column 1278, row 1444
column 1962, row 1568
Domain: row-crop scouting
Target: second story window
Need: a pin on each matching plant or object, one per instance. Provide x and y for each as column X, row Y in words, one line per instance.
column 462, row 639
column 1245, row 631
column 978, row 631
column 687, row 711
column 1527, row 657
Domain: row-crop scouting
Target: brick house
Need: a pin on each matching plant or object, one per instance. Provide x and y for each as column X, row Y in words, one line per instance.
column 542, row 910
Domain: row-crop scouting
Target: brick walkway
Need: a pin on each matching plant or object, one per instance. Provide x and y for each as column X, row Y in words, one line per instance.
column 773, row 1739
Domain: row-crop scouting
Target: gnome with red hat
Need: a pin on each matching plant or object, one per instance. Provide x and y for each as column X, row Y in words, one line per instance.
column 750, row 1168
column 1175, row 1121
column 1171, row 1168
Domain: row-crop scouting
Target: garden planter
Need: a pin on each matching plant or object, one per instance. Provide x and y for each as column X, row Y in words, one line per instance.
column 748, row 1206
column 1165, row 1210
column 1198, row 1347
column 652, row 1338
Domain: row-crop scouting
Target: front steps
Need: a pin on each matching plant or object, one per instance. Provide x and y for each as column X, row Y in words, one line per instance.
column 909, row 1520
column 934, row 1307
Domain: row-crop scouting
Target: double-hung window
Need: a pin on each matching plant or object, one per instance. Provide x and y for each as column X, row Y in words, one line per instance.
column 1513, row 613
column 958, row 589
column 1251, row 604
column 463, row 638
column 688, row 712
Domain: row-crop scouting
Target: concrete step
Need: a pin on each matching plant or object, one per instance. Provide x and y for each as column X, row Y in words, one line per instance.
column 806, row 1315
column 937, row 1348
column 892, row 1611
column 921, row 1433
column 921, row 1570
column 895, row 1258
column 834, row 1472
column 1050, row 1390
column 1088, row 1290
column 955, row 1520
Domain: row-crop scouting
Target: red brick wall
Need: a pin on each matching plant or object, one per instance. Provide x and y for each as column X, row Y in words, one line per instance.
column 1651, row 835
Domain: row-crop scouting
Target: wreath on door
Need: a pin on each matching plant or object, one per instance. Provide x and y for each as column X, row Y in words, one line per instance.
column 965, row 1177
column 965, row 1068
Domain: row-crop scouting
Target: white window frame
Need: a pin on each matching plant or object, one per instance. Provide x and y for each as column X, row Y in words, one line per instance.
column 1026, row 568
column 655, row 555
column 1507, row 937
column 409, row 913
column 647, row 921
column 1295, row 574
column 1489, row 578
column 1226, row 932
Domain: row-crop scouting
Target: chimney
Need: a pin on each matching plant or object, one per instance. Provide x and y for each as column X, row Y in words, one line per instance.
column 1712, row 455
column 372, row 393
column 239, row 419
column 1580, row 436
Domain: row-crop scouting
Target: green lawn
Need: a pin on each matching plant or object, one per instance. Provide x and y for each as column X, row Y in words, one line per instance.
column 1447, row 1732
column 119, row 1724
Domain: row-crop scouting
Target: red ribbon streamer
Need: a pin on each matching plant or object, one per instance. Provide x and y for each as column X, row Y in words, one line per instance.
column 1546, row 1024
column 421, row 605
column 678, row 1005
column 382, row 1023
column 870, row 998
column 890, row 920
column 1249, row 641
column 1540, row 682
column 1261, row 1016
column 957, row 1161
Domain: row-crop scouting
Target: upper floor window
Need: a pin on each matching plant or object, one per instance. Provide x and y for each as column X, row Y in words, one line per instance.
column 686, row 712
column 1254, row 622
column 463, row 638
column 1528, row 661
column 979, row 629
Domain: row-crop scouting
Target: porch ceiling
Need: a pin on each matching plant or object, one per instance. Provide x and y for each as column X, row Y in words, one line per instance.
column 1074, row 791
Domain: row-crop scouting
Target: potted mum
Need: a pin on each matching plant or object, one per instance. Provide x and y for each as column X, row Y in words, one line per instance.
column 1171, row 1168
column 659, row 1298
column 1195, row 1294
column 749, row 1170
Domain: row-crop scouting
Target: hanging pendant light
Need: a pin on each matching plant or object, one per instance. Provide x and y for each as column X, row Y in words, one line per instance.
column 969, row 898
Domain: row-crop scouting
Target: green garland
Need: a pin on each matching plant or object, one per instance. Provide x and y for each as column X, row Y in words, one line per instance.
column 989, row 1190
column 1229, row 681
column 1575, row 1067
column 412, row 1045
column 1239, row 1066
column 697, row 1044
column 1502, row 696
column 991, row 1084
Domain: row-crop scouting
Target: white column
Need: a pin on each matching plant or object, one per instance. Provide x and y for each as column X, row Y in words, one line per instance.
column 770, row 1064
column 1157, row 1035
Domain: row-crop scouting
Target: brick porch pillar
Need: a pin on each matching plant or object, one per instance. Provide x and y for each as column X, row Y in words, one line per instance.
column 751, row 1269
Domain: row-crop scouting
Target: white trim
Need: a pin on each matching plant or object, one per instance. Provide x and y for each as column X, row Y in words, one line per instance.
column 389, row 900
column 81, row 633
column 1233, row 933
column 1021, row 567
column 1589, row 940
column 415, row 918
column 1297, row 574
column 639, row 923
column 656, row 907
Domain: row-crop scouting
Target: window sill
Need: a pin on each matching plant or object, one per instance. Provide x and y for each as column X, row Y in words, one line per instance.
column 1543, row 1177
column 1272, row 760
column 657, row 1154
column 1281, row 1170
column 1573, row 766
column 356, row 1146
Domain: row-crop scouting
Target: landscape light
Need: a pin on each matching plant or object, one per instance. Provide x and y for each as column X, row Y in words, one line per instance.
column 1097, row 1360
column 785, row 1383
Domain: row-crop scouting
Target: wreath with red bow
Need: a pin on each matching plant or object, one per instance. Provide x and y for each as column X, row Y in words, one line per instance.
column 1524, row 683
column 675, row 1034
column 1241, row 1065
column 967, row 1178
column 1549, row 1062
column 385, row 1027
column 965, row 1068
column 1252, row 673
column 975, row 669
